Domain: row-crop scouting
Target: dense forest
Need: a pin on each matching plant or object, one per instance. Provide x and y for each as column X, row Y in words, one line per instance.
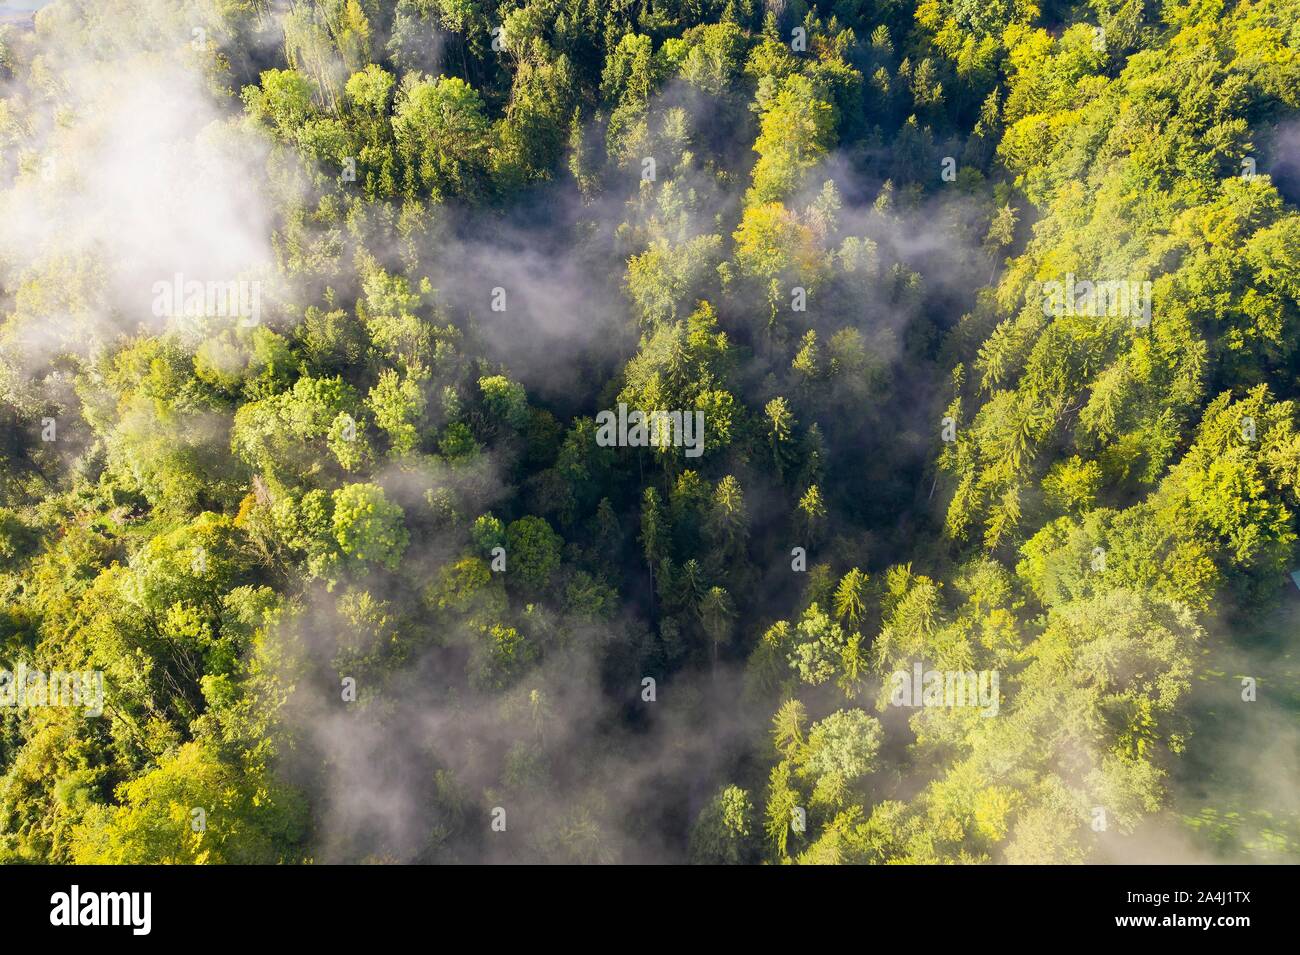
column 331, row 337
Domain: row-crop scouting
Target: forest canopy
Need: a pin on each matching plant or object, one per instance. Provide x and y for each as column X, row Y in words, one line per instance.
column 664, row 431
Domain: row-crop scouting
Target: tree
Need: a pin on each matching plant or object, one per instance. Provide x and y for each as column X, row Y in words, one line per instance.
column 727, row 520
column 817, row 647
column 284, row 99
column 716, row 614
column 397, row 404
column 843, row 744
column 367, row 526
column 795, row 132
column 850, row 598
column 287, row 435
column 780, row 425
column 194, row 809
column 533, row 552
column 444, row 137
column 724, row 830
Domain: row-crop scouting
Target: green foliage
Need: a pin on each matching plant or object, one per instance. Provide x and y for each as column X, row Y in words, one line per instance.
column 244, row 819
column 533, row 552
column 840, row 255
column 444, row 137
column 724, row 832
column 367, row 526
column 795, row 131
